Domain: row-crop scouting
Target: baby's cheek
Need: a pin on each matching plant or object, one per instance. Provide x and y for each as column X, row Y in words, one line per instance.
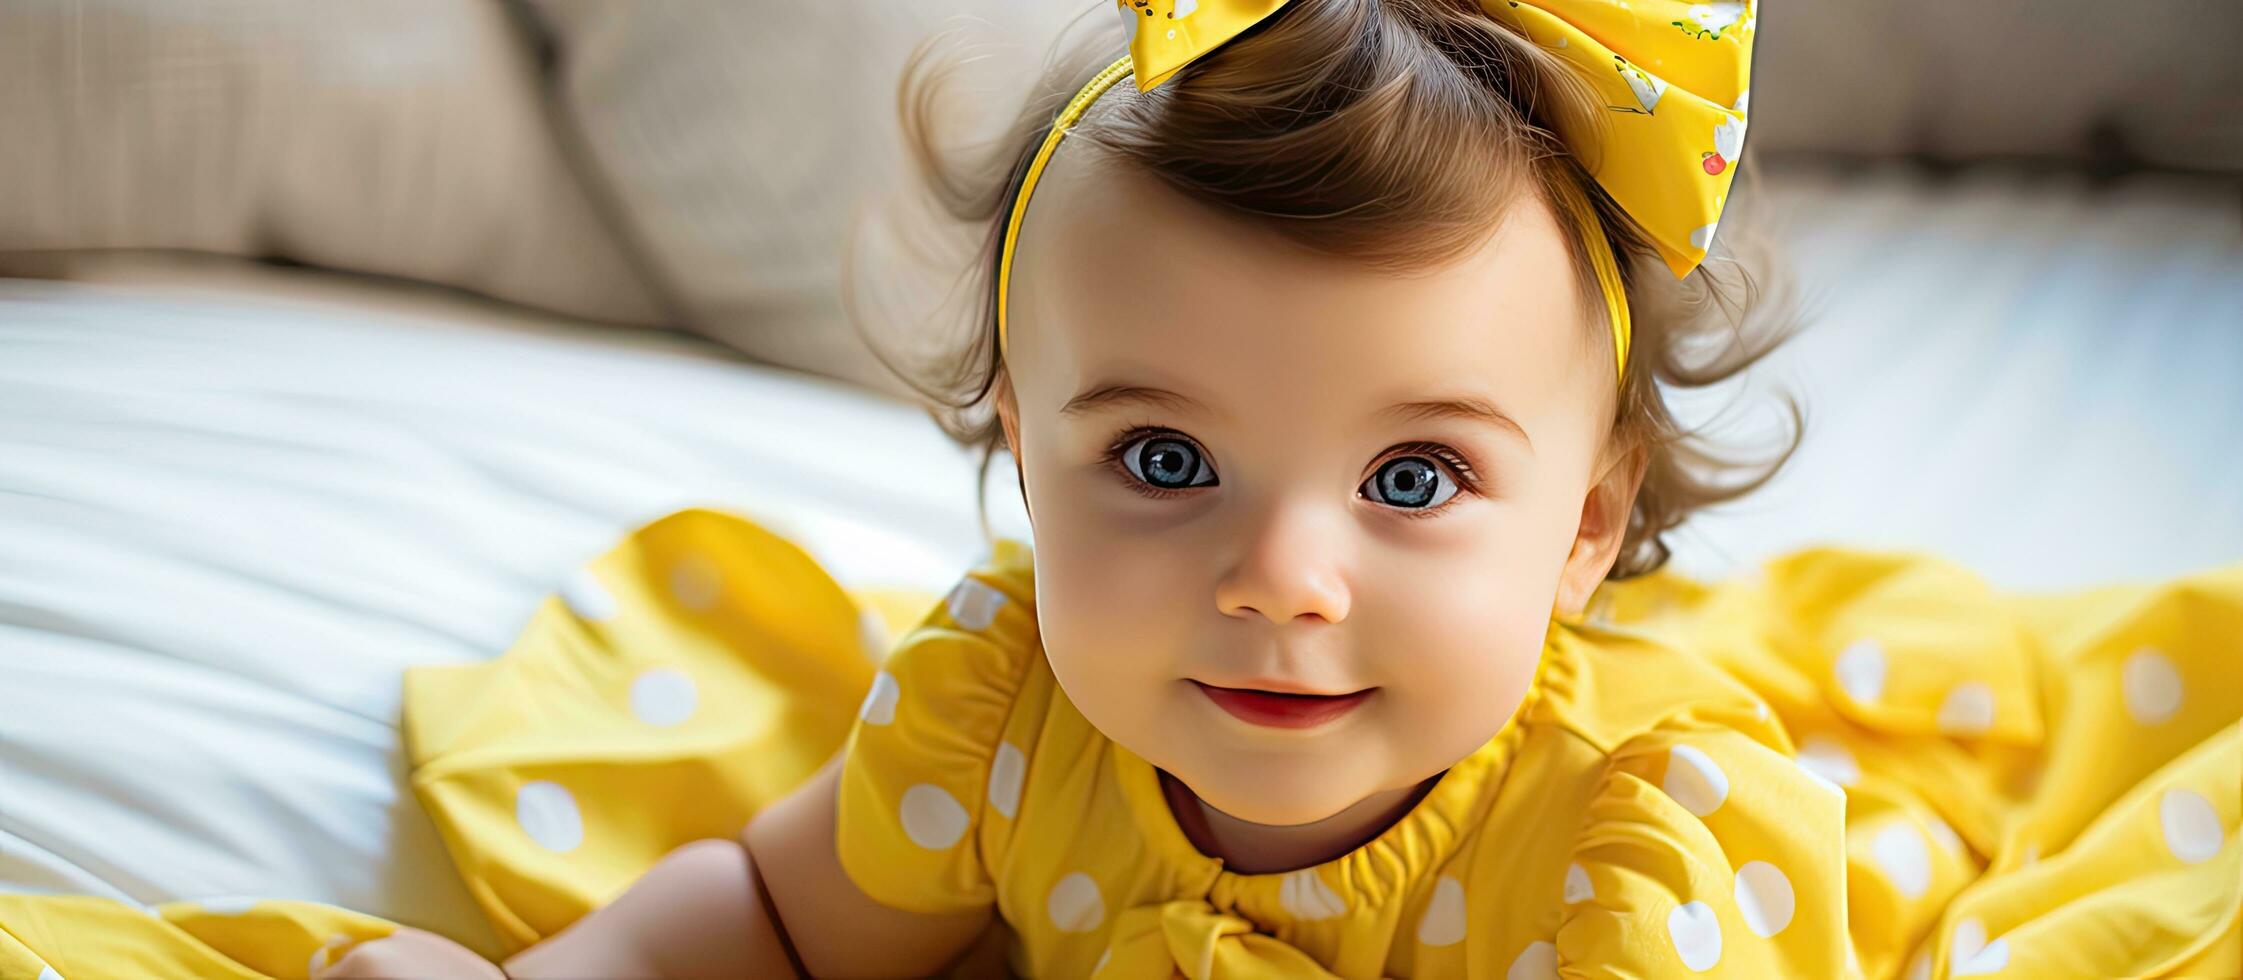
column 1462, row 652
column 1112, row 628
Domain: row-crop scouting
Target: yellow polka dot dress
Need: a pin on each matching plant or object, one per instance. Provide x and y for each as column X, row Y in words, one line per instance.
column 1642, row 829
column 1867, row 765
column 1844, row 764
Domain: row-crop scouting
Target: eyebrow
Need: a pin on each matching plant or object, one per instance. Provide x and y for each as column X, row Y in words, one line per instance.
column 1466, row 409
column 1110, row 395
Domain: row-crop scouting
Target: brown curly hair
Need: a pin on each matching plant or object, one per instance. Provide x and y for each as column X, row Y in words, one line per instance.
column 1392, row 132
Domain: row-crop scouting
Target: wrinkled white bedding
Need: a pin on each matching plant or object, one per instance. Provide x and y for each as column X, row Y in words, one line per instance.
column 230, row 517
column 2032, row 375
column 233, row 510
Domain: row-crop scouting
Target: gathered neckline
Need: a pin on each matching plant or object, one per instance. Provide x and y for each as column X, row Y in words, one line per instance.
column 1384, row 867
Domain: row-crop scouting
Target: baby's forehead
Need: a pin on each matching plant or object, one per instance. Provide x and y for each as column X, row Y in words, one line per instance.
column 1115, row 268
column 1091, row 200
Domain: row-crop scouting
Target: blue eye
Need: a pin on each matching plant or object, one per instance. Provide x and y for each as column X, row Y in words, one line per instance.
column 1411, row 483
column 1167, row 462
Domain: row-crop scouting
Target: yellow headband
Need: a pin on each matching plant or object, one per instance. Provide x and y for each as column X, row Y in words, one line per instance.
column 1666, row 157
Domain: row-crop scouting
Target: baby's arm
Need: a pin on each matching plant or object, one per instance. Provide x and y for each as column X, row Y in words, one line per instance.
column 825, row 915
column 707, row 910
column 696, row 913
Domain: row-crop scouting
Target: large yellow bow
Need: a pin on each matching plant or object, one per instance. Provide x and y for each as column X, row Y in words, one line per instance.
column 1673, row 76
column 1188, row 938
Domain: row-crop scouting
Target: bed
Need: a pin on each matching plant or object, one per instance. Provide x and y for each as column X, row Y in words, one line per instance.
column 237, row 501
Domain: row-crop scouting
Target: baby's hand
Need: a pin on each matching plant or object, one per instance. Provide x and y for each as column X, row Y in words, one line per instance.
column 410, row 954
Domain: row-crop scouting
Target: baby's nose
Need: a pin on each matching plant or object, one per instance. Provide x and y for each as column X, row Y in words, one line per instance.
column 1288, row 569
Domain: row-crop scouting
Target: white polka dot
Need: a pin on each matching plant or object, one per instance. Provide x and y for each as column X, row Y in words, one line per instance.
column 1538, row 961
column 1900, row 853
column 2152, row 686
column 1577, row 886
column 1969, row 937
column 1307, row 898
column 1861, row 670
column 48, row 973
column 1696, row 935
column 1823, row 781
column 1971, row 954
column 1968, row 709
column 879, row 707
column 1443, row 922
column 663, row 696
column 1694, row 781
column 1920, row 967
column 873, row 632
column 228, row 904
column 1826, row 757
column 695, row 583
column 1075, row 905
column 933, row 818
column 1986, row 961
column 2192, row 827
column 973, row 605
column 1764, row 897
column 586, row 597
column 1943, row 833
column 1005, row 774
column 549, row 815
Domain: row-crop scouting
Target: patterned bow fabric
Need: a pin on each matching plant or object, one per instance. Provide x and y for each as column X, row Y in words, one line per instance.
column 1673, row 78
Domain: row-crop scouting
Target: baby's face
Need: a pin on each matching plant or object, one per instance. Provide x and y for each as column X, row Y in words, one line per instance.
column 1255, row 472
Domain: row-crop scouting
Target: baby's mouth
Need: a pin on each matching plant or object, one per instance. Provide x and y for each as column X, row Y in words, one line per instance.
column 1282, row 709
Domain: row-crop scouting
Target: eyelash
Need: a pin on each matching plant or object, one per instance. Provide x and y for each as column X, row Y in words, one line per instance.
column 1467, row 478
column 1129, row 437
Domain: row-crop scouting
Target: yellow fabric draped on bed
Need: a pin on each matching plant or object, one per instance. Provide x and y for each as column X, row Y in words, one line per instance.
column 2036, row 785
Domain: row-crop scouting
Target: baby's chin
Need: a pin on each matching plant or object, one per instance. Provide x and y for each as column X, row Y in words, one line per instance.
column 1289, row 786
column 1277, row 795
column 1288, row 780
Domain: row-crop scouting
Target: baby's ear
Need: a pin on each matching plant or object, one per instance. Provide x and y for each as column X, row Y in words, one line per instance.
column 1008, row 411
column 1605, row 510
column 1008, row 416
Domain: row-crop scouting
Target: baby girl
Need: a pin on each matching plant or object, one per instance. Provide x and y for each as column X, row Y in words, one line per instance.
column 1327, row 348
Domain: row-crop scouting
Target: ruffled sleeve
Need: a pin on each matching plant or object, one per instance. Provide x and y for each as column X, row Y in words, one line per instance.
column 922, row 779
column 1707, row 852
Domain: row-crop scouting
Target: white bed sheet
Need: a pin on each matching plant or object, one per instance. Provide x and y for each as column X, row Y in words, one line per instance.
column 232, row 511
column 2032, row 374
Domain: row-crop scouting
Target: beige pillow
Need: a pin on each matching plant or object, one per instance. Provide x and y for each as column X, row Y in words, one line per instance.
column 405, row 138
column 741, row 136
column 742, row 139
column 2081, row 81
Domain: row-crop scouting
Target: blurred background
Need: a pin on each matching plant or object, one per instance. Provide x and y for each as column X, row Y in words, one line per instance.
column 334, row 336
